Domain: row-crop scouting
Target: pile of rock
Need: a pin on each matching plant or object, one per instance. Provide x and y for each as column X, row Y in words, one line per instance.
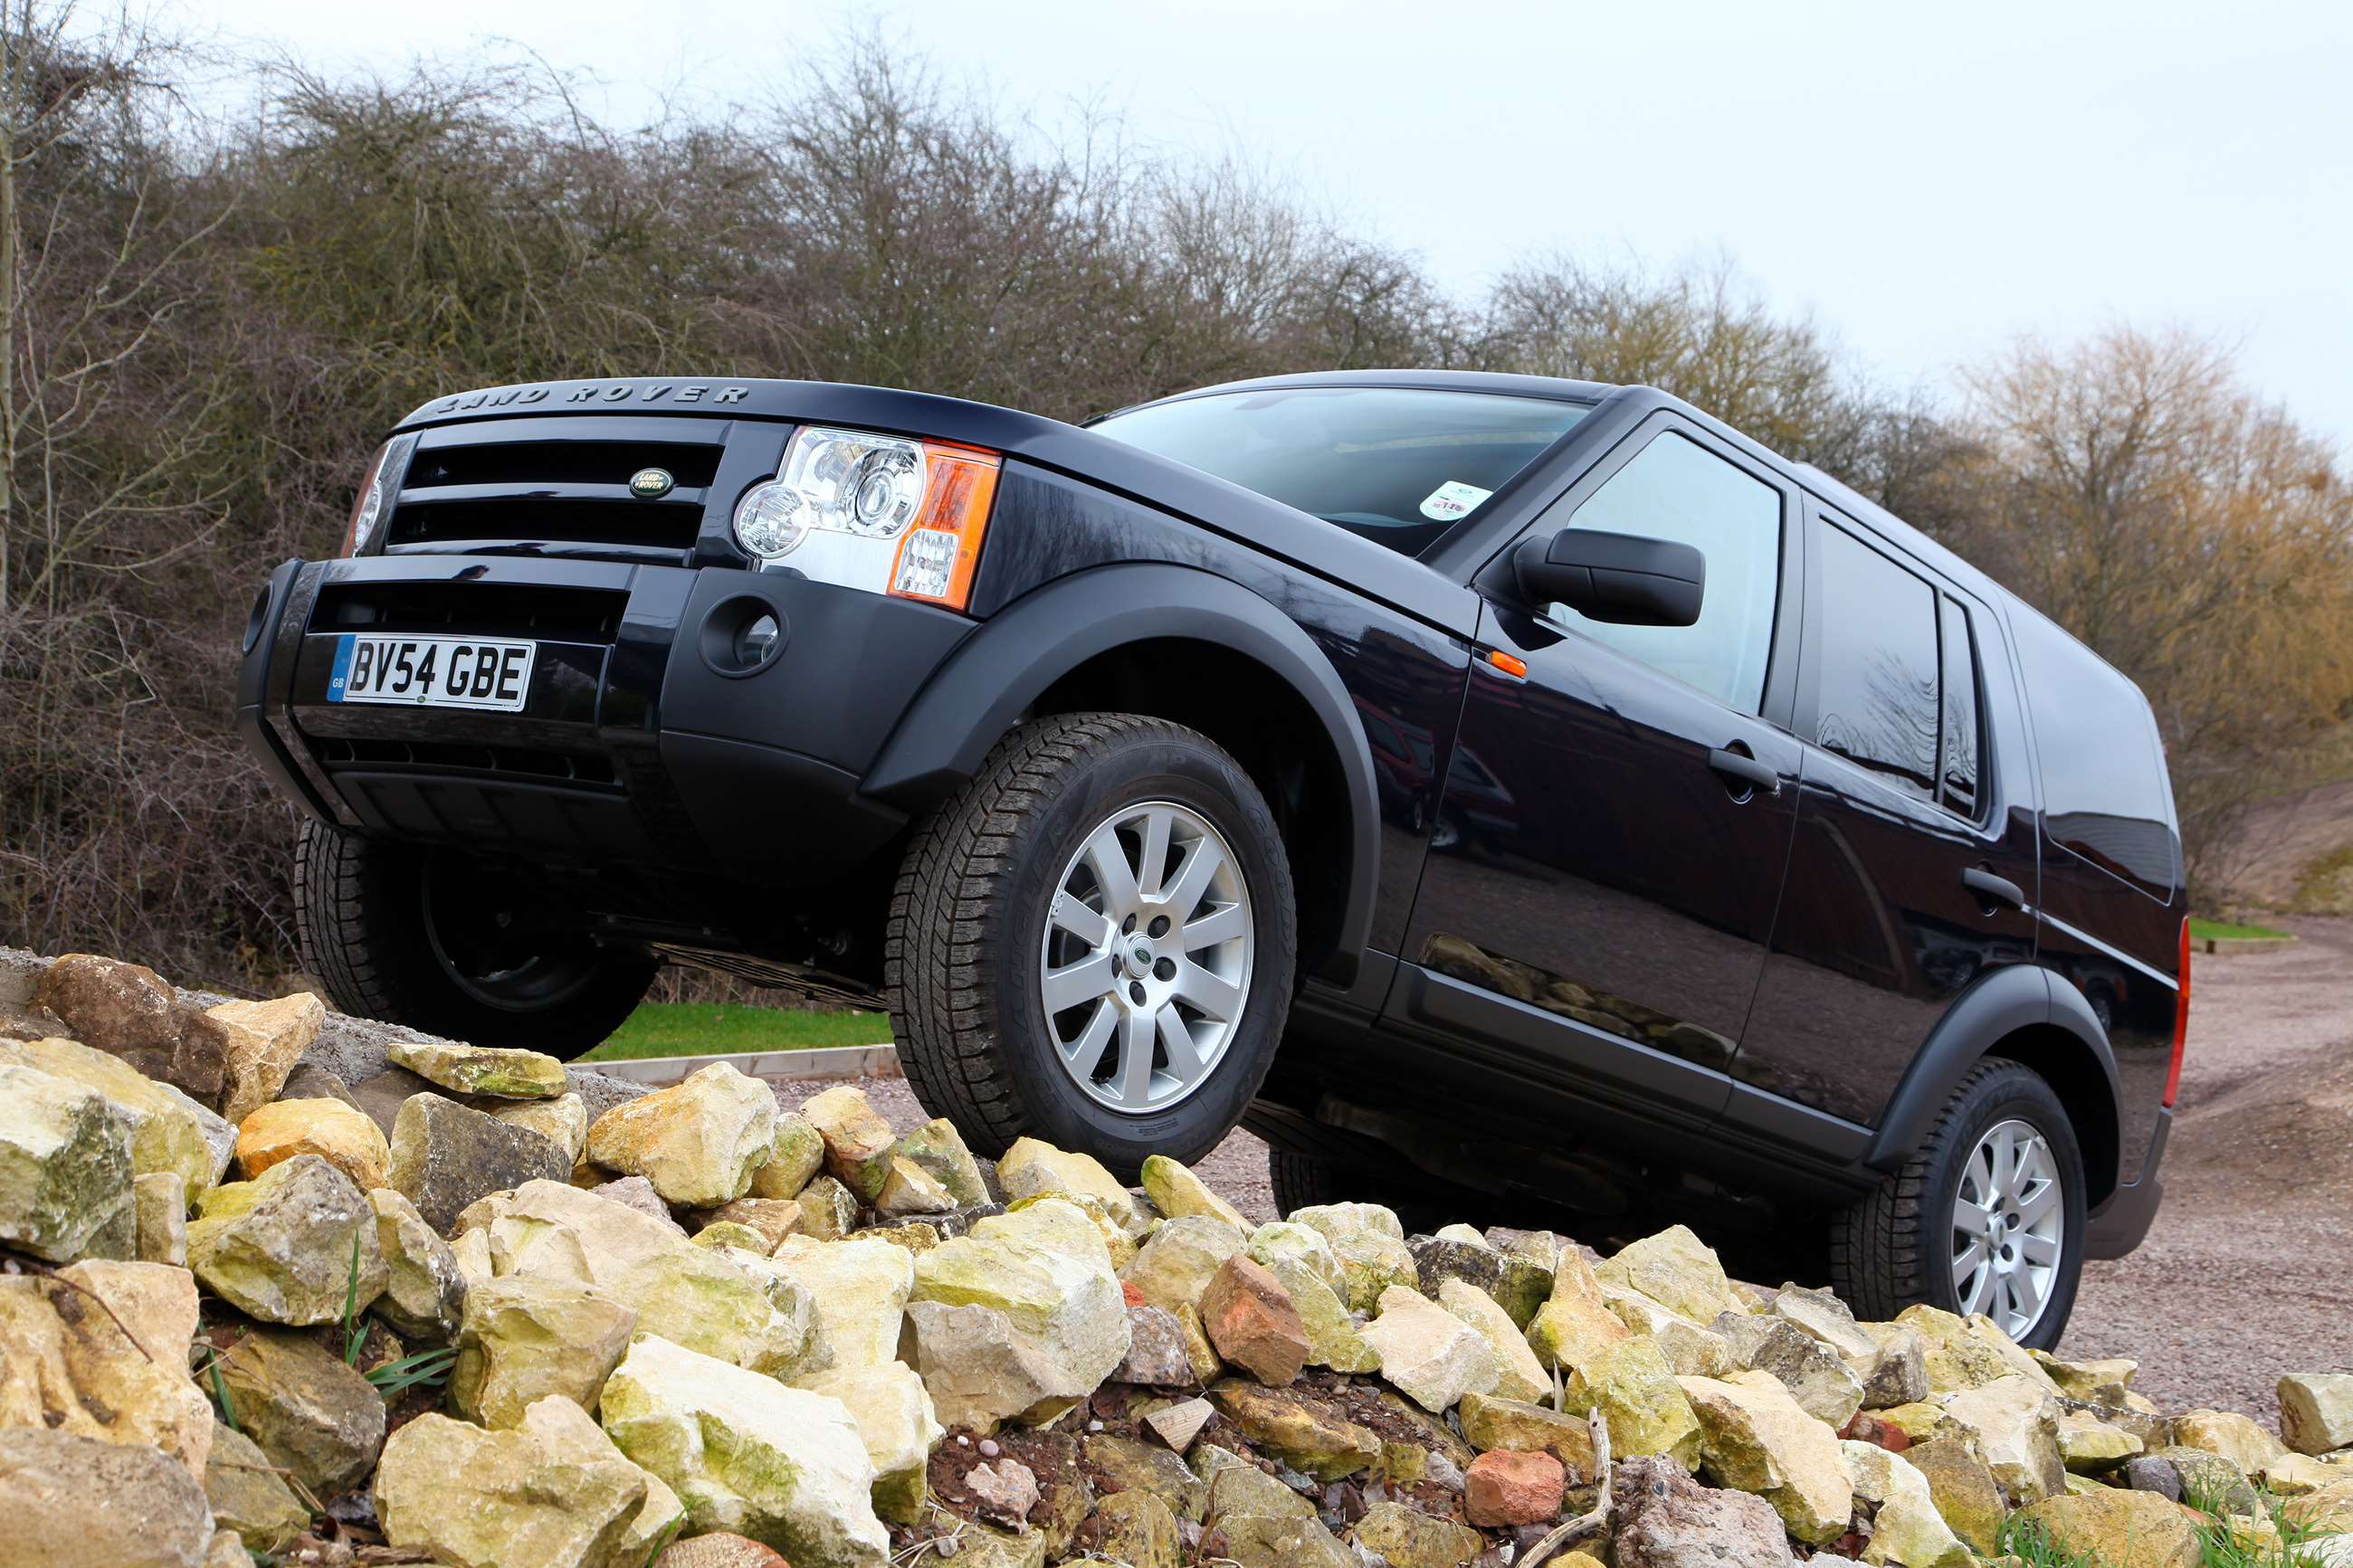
column 472, row 1308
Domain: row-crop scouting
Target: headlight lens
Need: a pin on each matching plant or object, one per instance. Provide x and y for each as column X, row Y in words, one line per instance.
column 369, row 508
column 878, row 513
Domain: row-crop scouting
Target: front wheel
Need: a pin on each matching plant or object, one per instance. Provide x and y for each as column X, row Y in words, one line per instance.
column 1093, row 943
column 1987, row 1217
column 453, row 946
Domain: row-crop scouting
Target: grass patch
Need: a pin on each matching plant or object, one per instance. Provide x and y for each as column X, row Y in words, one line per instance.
column 715, row 1028
column 2202, row 928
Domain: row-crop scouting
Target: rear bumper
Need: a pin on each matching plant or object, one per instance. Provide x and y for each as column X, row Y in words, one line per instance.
column 637, row 745
column 2121, row 1224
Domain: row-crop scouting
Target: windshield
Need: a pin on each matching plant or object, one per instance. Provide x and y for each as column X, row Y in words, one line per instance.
column 1398, row 465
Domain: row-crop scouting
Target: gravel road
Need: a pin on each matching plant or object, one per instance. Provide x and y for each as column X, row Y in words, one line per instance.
column 2249, row 1271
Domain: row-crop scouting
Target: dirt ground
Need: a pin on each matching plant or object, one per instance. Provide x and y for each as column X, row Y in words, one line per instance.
column 2249, row 1270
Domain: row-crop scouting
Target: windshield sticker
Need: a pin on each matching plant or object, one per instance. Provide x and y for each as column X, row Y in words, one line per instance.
column 1453, row 500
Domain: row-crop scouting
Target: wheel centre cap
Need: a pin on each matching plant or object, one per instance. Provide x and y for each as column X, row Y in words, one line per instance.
column 1139, row 958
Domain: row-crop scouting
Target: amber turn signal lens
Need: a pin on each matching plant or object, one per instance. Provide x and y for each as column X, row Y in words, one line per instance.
column 940, row 551
column 1510, row 664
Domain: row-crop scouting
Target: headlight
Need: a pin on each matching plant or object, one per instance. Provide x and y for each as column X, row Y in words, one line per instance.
column 877, row 512
column 369, row 507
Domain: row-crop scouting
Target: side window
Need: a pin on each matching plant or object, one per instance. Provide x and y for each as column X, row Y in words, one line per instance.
column 1676, row 488
column 1960, row 744
column 1876, row 651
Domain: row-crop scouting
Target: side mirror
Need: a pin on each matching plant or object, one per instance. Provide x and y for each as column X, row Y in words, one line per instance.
column 1622, row 578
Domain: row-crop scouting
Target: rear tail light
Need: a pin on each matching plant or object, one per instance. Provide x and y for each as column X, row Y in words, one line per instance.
column 2180, row 1018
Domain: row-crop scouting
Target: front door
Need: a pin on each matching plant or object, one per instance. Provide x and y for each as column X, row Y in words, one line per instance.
column 1615, row 820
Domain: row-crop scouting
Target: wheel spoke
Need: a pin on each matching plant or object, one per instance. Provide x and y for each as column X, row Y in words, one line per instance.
column 1085, row 1054
column 1068, row 987
column 1975, row 1286
column 1176, row 1040
column 1971, row 1220
column 2033, row 1210
column 1108, row 855
column 1154, row 861
column 1201, row 863
column 1223, row 924
column 1090, row 926
column 1135, row 1033
column 1970, row 1260
column 2040, row 1250
column 2026, row 1293
column 1213, row 994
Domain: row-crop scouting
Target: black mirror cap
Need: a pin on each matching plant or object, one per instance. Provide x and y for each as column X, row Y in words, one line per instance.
column 1623, row 579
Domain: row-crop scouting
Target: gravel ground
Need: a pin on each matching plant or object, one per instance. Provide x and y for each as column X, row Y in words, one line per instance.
column 2247, row 1274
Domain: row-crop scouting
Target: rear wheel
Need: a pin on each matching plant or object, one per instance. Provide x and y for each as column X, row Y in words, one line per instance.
column 1093, row 943
column 449, row 944
column 1987, row 1217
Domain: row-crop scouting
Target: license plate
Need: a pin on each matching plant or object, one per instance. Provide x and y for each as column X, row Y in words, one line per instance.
column 432, row 672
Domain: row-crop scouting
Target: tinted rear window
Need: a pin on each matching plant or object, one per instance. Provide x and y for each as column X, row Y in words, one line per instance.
column 1877, row 665
column 1397, row 465
column 2104, row 795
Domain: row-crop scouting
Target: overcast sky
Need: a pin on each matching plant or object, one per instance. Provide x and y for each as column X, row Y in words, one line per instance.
column 1927, row 180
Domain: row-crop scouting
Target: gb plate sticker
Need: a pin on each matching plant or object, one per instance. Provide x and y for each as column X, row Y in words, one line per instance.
column 1452, row 500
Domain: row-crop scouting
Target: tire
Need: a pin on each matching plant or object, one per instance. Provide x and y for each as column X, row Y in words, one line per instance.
column 1898, row 1246
column 375, row 924
column 970, row 941
column 1422, row 1203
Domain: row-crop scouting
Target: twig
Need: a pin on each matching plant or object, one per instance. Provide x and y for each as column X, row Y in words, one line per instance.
column 49, row 1271
column 1585, row 1525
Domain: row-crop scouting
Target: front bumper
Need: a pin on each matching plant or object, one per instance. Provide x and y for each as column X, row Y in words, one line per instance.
column 637, row 745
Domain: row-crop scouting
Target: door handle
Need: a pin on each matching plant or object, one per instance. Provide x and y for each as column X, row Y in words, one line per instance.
column 1992, row 889
column 1746, row 769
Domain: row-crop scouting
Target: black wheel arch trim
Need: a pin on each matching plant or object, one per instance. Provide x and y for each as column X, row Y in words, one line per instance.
column 998, row 673
column 2015, row 998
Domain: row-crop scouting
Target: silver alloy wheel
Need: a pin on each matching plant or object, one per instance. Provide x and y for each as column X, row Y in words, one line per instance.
column 2009, row 1227
column 1145, row 965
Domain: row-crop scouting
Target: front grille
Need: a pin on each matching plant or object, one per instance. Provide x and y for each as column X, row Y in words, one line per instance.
column 338, row 753
column 559, row 482
column 472, row 609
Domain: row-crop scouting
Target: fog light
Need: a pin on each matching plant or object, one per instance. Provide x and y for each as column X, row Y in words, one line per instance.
column 756, row 641
column 741, row 635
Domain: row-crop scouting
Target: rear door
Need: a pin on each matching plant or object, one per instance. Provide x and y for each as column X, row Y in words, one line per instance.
column 1910, row 876
column 1602, row 878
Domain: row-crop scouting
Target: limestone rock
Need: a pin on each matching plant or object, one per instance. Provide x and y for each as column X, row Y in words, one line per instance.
column 485, row 1070
column 2197, row 1478
column 247, row 1496
column 1822, row 1317
column 1691, row 1350
column 2118, row 1529
column 636, row 1192
column 1176, row 1192
column 1109, row 1236
column 2090, row 1446
column 731, row 1235
column 65, row 1169
column 1757, row 1438
column 154, row 1513
column 1431, row 1354
column 1503, row 1488
column 101, row 1350
column 1971, row 1352
column 1283, row 1241
column 1518, row 1373
column 909, row 1189
column 939, row 1149
column 911, row 1236
column 1645, row 1408
column 160, row 1200
column 1906, row 1530
column 1156, row 1351
column 284, row 1247
column 2294, row 1474
column 1340, row 1219
column 129, row 1011
column 1812, row 1373
column 1305, row 1433
column 2317, row 1411
column 1663, row 1519
column 1963, row 1488
column 2328, row 1511
column 1005, row 1327
column 445, row 1155
column 1139, row 1529
column 169, row 1131
column 424, row 1290
column 1406, row 1538
column 563, row 1121
column 786, row 1466
column 1516, row 1426
column 1370, row 1245
column 699, row 1141
column 2233, row 1436
column 310, row 1412
column 338, row 1134
column 1517, row 1284
column 1677, row 1271
column 1333, row 1337
column 1032, row 1167
column 265, row 1040
column 894, row 1417
column 1575, row 1325
column 720, row 1549
column 796, row 1150
column 858, row 1289
column 1174, row 1265
column 525, row 1339
column 540, row 1493
column 2104, row 1382
column 858, row 1140
column 772, row 1219
column 1125, row 1463
column 1006, row 1490
column 2015, row 1422
column 828, row 1209
column 1899, row 1374
column 1251, row 1321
